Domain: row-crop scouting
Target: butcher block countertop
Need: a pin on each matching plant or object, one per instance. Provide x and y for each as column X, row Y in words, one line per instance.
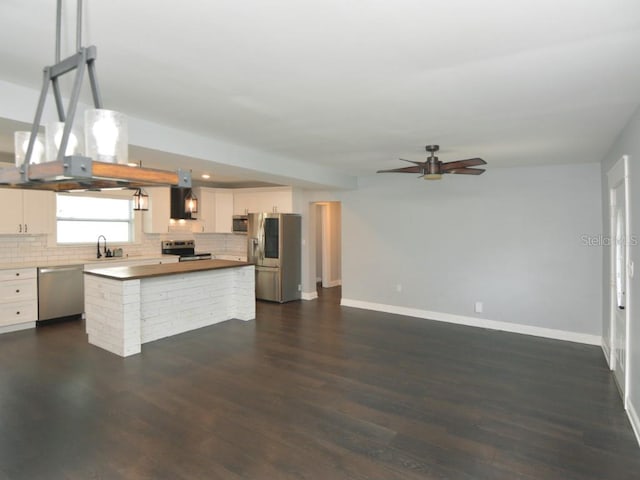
column 158, row 270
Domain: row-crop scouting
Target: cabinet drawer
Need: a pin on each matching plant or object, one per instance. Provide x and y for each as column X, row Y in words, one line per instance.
column 18, row 312
column 17, row 274
column 18, row 290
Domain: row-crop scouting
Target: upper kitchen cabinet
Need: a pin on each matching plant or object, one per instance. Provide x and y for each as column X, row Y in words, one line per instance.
column 156, row 219
column 215, row 210
column 27, row 211
column 269, row 199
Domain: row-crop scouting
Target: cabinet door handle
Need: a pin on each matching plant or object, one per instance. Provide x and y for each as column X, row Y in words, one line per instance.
column 18, row 290
column 17, row 274
column 20, row 228
column 18, row 312
column 25, row 228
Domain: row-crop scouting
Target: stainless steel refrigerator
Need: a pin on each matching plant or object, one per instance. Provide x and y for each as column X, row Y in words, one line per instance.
column 274, row 247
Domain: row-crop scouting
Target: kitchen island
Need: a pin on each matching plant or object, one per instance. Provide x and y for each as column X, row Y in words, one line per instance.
column 128, row 306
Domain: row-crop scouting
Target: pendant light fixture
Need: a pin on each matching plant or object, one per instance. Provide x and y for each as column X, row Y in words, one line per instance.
column 102, row 163
column 140, row 200
column 191, row 202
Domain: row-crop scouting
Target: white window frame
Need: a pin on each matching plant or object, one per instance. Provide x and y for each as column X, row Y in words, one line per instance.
column 134, row 222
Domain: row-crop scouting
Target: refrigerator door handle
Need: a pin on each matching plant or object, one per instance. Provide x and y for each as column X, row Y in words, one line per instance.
column 257, row 250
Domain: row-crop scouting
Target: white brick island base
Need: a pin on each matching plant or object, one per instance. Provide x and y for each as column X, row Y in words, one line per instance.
column 123, row 313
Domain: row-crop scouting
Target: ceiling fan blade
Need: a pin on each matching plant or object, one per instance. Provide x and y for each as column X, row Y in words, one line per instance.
column 470, row 162
column 412, row 161
column 465, row 171
column 415, row 169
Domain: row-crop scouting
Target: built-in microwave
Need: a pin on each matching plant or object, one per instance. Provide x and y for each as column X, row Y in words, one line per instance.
column 240, row 223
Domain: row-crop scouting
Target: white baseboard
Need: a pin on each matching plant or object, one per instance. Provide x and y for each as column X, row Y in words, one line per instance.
column 19, row 326
column 607, row 353
column 476, row 322
column 634, row 419
column 333, row 283
column 309, row 295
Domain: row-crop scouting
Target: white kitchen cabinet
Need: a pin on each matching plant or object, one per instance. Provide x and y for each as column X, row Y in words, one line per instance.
column 156, row 219
column 27, row 211
column 243, row 201
column 18, row 298
column 268, row 199
column 215, row 210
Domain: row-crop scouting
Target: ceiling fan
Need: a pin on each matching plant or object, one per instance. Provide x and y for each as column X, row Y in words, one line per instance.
column 433, row 169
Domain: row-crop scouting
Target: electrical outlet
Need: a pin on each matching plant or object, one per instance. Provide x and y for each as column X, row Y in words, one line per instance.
column 299, row 287
column 398, row 287
column 478, row 307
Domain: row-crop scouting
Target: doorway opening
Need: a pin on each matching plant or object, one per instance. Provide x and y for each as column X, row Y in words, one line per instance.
column 328, row 249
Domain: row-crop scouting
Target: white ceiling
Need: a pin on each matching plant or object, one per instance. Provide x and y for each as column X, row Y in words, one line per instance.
column 353, row 85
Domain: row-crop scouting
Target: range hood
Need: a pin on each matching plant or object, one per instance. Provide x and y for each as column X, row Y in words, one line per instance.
column 83, row 173
column 178, row 210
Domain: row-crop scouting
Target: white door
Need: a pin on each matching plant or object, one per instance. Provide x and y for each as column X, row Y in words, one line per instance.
column 619, row 235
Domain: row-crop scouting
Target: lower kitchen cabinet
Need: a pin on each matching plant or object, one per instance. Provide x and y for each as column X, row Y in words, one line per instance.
column 18, row 298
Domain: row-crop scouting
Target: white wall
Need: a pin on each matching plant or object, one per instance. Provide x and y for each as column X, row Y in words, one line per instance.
column 319, row 243
column 511, row 238
column 335, row 242
column 628, row 143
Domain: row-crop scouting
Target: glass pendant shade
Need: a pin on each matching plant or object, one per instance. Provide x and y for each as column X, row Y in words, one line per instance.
column 140, row 200
column 433, row 176
column 106, row 137
column 191, row 202
column 21, row 143
column 53, row 137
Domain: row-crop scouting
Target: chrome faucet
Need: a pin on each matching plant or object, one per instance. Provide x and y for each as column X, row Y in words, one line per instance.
column 106, row 251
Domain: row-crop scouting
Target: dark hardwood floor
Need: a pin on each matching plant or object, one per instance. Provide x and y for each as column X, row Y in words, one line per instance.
column 314, row 391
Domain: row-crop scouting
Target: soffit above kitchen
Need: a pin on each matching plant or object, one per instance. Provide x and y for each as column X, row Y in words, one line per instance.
column 352, row 86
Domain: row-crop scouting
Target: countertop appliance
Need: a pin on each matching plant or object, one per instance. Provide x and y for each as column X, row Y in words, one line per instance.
column 240, row 224
column 60, row 292
column 185, row 248
column 273, row 245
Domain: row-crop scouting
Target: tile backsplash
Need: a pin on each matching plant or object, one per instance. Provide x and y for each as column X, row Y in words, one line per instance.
column 35, row 248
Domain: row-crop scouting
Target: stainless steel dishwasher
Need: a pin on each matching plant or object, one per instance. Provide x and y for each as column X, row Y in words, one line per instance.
column 60, row 292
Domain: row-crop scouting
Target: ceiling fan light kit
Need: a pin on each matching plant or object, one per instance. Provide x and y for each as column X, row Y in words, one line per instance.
column 103, row 164
column 433, row 168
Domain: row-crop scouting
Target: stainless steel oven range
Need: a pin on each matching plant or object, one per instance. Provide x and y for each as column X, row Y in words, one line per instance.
column 185, row 248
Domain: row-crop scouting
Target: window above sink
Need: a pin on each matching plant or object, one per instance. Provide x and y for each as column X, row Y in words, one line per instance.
column 82, row 218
